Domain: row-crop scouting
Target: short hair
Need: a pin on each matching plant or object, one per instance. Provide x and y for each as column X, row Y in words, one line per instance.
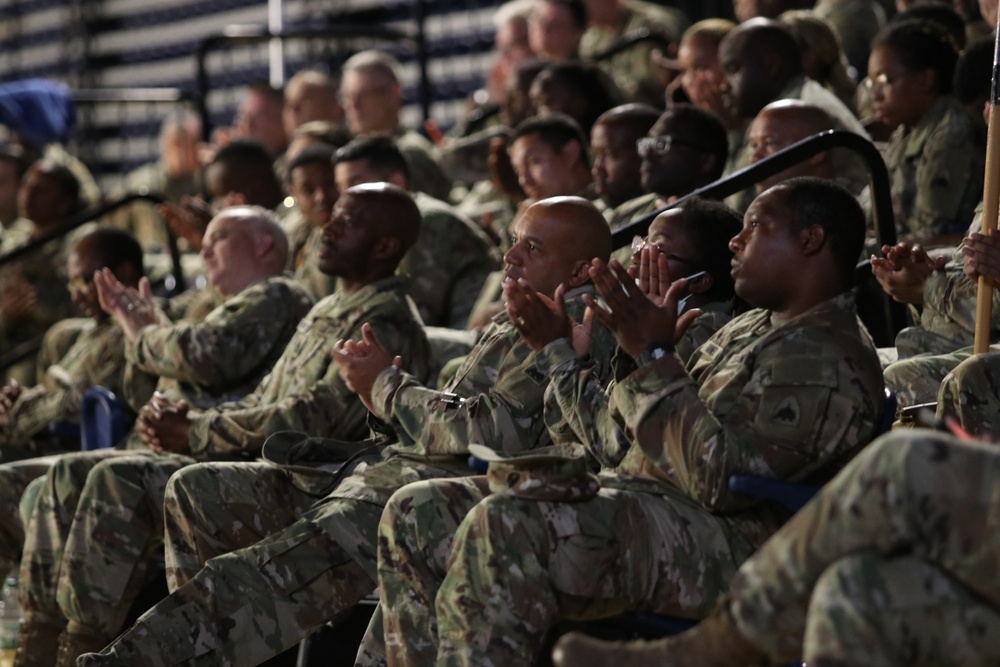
column 767, row 36
column 68, row 183
column 323, row 131
column 113, row 246
column 714, row 29
column 243, row 154
column 513, row 10
column 922, row 45
column 577, row 11
column 379, row 151
column 595, row 88
column 706, row 131
column 375, row 62
column 816, row 201
column 313, row 153
column 555, row 130
column 637, row 115
column 710, row 225
column 266, row 90
column 181, row 117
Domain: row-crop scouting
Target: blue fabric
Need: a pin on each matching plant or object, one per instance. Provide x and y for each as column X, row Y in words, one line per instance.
column 39, row 110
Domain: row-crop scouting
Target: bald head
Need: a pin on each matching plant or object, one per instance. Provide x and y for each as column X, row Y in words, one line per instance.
column 310, row 96
column 393, row 212
column 243, row 245
column 555, row 240
column 783, row 123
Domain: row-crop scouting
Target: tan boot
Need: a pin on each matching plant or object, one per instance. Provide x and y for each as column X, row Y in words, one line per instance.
column 715, row 642
column 36, row 644
column 75, row 641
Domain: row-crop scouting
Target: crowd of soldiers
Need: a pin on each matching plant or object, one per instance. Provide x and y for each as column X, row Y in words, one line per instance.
column 372, row 308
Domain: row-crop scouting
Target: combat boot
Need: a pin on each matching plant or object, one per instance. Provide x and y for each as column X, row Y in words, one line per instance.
column 36, row 644
column 74, row 641
column 714, row 641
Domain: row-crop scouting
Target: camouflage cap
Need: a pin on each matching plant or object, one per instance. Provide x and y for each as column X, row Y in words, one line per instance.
column 547, row 473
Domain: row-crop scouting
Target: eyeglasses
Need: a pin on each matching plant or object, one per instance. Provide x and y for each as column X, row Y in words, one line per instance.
column 639, row 243
column 660, row 146
column 879, row 83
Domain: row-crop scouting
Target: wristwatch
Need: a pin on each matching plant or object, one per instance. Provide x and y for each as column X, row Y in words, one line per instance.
column 653, row 353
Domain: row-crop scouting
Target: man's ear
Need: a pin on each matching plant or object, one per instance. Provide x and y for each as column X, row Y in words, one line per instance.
column 702, row 284
column 580, row 274
column 398, row 179
column 385, row 248
column 812, row 239
column 264, row 245
column 126, row 274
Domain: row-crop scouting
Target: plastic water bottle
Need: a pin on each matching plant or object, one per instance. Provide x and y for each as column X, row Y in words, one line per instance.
column 10, row 620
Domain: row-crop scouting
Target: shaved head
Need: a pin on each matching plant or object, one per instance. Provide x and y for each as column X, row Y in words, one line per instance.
column 393, row 213
column 781, row 124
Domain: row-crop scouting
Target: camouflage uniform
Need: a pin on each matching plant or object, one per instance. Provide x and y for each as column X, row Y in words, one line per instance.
column 223, row 357
column 788, row 400
column 302, row 560
column 448, row 264
column 936, row 171
column 970, row 391
column 419, row 523
column 631, row 69
column 307, row 271
column 297, row 229
column 95, row 358
column 892, row 563
column 426, row 173
column 116, row 497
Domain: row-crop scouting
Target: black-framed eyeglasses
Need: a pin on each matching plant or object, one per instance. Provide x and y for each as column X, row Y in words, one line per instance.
column 641, row 242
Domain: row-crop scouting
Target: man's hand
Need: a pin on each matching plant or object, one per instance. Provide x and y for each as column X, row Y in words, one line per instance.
column 188, row 220
column 638, row 321
column 360, row 362
column 982, row 255
column 8, row 396
column 904, row 270
column 540, row 320
column 164, row 426
column 132, row 309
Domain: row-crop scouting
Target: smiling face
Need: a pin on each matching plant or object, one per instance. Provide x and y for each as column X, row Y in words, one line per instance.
column 228, row 250
column 544, row 171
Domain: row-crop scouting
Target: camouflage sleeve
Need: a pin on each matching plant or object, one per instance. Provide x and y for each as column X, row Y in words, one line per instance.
column 227, row 345
column 60, row 396
column 576, row 401
column 798, row 407
column 950, row 295
column 508, row 417
column 328, row 409
column 943, row 196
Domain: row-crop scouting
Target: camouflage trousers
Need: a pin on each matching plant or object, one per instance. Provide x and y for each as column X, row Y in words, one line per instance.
column 278, row 562
column 517, row 565
column 917, row 380
column 894, row 562
column 97, row 523
column 971, row 394
column 14, row 479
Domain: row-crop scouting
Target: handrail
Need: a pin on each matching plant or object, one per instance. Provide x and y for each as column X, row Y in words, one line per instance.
column 84, row 217
column 885, row 227
column 253, row 34
column 149, row 95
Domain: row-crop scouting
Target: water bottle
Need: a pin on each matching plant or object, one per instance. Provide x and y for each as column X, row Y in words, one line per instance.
column 10, row 620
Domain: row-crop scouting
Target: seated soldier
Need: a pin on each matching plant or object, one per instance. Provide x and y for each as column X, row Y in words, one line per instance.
column 95, row 358
column 685, row 149
column 77, row 582
column 33, row 294
column 613, row 142
column 414, row 544
column 555, row 28
column 611, row 23
column 311, row 183
column 892, row 563
column 301, row 558
column 451, row 258
column 14, row 164
column 580, row 90
column 310, row 96
column 372, row 96
column 786, row 390
column 224, row 356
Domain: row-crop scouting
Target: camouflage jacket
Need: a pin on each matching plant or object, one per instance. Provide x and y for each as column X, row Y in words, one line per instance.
column 307, row 271
column 97, row 357
column 576, row 403
column 224, row 356
column 426, row 173
column 448, row 264
column 789, row 399
column 936, row 171
column 495, row 399
column 304, row 391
